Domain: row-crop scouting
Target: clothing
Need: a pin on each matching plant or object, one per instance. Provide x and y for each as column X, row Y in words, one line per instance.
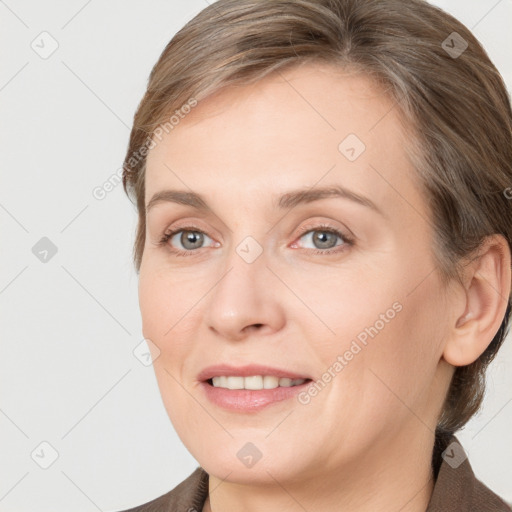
column 456, row 488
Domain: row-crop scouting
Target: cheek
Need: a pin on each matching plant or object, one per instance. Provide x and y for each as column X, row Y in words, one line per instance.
column 155, row 306
column 387, row 330
column 351, row 305
column 403, row 357
column 168, row 316
column 167, row 300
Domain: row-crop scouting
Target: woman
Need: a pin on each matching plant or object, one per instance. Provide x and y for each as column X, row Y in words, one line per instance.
column 323, row 252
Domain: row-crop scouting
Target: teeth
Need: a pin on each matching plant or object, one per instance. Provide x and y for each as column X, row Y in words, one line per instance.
column 254, row 382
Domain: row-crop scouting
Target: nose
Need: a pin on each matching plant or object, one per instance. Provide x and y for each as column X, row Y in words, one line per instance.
column 245, row 300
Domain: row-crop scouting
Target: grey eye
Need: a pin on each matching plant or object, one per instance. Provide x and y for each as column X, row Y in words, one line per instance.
column 190, row 240
column 322, row 239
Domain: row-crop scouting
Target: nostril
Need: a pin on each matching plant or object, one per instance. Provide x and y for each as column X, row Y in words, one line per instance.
column 253, row 326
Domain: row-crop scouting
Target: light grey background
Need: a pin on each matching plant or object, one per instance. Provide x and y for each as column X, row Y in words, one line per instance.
column 69, row 326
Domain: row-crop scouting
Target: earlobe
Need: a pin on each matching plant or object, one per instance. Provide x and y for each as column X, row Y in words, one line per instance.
column 483, row 301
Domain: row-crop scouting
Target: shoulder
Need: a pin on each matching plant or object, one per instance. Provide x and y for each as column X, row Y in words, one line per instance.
column 457, row 489
column 187, row 496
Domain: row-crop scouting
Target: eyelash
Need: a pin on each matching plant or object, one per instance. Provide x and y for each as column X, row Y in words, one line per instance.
column 324, row 228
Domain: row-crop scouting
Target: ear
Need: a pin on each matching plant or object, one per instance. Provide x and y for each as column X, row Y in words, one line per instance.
column 480, row 306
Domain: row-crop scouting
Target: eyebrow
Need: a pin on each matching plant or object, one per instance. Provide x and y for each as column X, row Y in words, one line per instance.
column 285, row 201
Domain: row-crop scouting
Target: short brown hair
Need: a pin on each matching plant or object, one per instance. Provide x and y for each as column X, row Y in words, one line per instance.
column 457, row 106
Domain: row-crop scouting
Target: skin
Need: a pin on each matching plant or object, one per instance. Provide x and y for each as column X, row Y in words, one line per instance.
column 364, row 443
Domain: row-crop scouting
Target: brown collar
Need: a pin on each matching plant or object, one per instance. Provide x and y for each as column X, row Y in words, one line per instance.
column 457, row 489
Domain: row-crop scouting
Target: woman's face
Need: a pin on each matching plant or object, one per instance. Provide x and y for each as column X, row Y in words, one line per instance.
column 341, row 289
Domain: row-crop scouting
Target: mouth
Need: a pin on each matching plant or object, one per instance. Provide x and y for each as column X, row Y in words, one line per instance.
column 250, row 388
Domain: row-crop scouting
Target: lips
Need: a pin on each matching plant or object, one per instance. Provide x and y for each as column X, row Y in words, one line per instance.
column 247, row 371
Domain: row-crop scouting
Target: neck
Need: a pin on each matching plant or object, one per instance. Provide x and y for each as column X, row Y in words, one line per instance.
column 390, row 477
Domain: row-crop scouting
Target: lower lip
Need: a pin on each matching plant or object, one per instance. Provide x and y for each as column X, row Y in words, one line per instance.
column 247, row 400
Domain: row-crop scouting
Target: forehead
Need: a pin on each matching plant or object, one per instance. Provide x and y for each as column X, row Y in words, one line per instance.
column 293, row 128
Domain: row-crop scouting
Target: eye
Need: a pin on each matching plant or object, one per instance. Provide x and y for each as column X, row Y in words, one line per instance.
column 324, row 239
column 189, row 237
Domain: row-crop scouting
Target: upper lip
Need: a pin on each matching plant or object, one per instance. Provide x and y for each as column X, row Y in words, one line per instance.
column 246, row 371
